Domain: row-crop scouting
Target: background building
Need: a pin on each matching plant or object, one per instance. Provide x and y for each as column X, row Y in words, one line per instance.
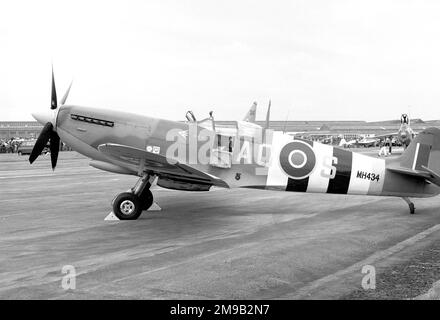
column 31, row 129
column 21, row 129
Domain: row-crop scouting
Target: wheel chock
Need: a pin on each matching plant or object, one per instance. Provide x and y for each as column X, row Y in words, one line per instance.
column 154, row 207
column 111, row 217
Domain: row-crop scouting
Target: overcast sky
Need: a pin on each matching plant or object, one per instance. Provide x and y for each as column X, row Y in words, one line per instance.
column 316, row 60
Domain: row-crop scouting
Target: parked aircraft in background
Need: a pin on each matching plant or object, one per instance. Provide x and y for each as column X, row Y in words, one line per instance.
column 364, row 142
column 404, row 135
column 401, row 137
column 198, row 155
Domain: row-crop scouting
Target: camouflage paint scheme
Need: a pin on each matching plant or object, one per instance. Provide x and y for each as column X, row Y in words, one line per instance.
column 293, row 164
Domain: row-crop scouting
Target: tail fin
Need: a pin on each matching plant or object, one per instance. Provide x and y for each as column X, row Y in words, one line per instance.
column 423, row 151
column 250, row 115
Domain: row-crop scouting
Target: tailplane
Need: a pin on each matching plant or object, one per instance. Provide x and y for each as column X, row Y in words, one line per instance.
column 422, row 157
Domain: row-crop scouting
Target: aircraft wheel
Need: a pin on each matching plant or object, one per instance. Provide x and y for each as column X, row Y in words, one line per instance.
column 412, row 208
column 127, row 206
column 146, row 199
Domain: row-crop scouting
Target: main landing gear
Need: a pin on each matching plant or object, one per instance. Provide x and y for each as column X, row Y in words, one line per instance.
column 129, row 205
column 412, row 209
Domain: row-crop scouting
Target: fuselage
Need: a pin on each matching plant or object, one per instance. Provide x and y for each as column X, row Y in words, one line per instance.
column 277, row 162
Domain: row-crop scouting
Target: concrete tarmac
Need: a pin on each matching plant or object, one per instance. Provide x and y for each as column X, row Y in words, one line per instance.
column 222, row 244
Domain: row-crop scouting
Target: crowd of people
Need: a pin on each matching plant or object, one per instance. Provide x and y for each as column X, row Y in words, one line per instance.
column 9, row 146
column 385, row 147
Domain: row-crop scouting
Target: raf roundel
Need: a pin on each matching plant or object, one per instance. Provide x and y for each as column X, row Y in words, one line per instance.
column 297, row 159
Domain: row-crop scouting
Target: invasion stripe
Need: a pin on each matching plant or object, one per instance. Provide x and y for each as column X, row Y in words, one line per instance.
column 341, row 181
column 319, row 178
column 422, row 158
column 275, row 175
column 301, row 184
column 297, row 185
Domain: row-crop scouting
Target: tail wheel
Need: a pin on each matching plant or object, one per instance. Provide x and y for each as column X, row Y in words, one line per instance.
column 127, row 206
column 146, row 198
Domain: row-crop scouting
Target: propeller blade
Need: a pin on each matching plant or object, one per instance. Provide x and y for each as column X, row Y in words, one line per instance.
column 63, row 100
column 54, row 148
column 53, row 104
column 268, row 115
column 41, row 142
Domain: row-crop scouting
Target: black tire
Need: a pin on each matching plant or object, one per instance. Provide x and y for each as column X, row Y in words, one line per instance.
column 146, row 199
column 127, row 206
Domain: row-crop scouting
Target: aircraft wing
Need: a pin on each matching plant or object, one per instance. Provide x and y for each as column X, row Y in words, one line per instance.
column 138, row 160
column 385, row 135
column 426, row 173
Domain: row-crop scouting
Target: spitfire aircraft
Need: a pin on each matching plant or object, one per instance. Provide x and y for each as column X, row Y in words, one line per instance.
column 198, row 155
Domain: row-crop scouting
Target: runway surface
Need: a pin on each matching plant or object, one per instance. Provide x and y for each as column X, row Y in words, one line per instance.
column 222, row 244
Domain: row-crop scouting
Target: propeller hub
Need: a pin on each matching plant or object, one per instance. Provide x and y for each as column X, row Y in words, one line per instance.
column 45, row 117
